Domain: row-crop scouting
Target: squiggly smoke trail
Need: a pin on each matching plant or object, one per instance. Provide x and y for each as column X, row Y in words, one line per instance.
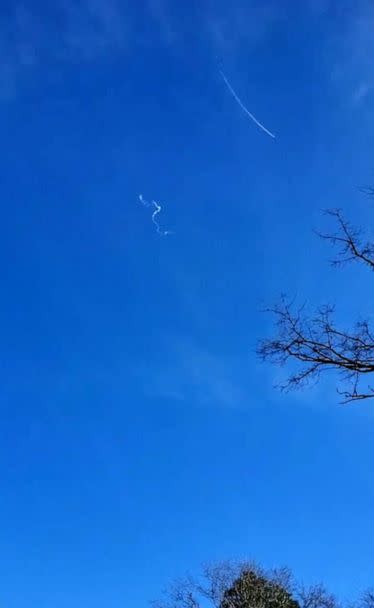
column 239, row 101
column 156, row 212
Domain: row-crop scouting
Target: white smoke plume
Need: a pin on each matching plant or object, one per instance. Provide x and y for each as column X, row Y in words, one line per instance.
column 157, row 209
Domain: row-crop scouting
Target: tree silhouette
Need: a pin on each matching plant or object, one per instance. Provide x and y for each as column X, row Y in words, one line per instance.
column 316, row 343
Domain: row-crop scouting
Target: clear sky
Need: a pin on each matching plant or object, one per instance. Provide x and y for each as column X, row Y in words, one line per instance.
column 139, row 435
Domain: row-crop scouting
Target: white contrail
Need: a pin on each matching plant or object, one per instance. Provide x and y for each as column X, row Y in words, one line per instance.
column 156, row 212
column 239, row 101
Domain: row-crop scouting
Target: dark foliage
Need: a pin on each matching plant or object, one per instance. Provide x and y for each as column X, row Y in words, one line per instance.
column 254, row 590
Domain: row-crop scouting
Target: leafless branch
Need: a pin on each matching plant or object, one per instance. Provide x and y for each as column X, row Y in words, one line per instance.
column 318, row 345
column 315, row 597
column 232, row 585
column 349, row 241
column 367, row 600
column 246, row 585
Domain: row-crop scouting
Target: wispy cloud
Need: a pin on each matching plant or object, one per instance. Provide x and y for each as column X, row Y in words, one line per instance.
column 361, row 92
column 67, row 31
column 73, row 31
column 195, row 375
column 234, row 25
column 223, row 28
column 94, row 27
column 160, row 13
column 352, row 50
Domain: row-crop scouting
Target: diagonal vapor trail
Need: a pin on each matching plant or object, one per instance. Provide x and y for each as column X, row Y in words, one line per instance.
column 157, row 209
column 239, row 101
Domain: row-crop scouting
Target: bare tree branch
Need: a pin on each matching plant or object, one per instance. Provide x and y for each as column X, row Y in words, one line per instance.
column 246, row 585
column 317, row 345
column 315, row 597
column 232, row 585
column 367, row 600
column 349, row 241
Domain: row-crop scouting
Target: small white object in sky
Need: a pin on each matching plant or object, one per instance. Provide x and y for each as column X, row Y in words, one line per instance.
column 157, row 210
column 239, row 101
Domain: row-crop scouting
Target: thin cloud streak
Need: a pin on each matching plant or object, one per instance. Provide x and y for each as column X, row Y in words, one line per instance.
column 71, row 32
column 241, row 104
column 195, row 376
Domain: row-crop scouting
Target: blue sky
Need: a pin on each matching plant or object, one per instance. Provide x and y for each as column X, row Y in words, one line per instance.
column 139, row 435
